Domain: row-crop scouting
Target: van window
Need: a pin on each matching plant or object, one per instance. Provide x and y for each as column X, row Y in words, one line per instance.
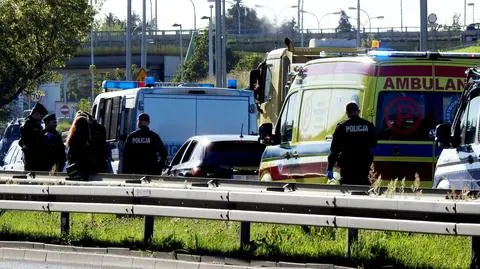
column 288, row 118
column 267, row 92
column 411, row 116
column 469, row 122
column 110, row 115
column 321, row 110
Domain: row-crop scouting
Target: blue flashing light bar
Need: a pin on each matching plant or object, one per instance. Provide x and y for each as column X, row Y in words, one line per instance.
column 122, row 85
column 232, row 84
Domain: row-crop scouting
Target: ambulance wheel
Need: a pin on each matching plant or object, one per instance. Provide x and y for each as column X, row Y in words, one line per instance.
column 266, row 177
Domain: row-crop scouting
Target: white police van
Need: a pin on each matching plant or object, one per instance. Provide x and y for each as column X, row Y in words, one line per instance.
column 458, row 166
column 176, row 112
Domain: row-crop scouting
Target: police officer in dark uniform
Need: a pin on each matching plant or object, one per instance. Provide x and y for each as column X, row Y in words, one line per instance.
column 144, row 152
column 55, row 154
column 32, row 140
column 351, row 148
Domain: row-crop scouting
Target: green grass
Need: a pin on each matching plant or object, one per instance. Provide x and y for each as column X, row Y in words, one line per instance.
column 472, row 49
column 273, row 242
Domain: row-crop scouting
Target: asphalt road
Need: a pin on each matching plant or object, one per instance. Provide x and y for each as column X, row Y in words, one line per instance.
column 40, row 265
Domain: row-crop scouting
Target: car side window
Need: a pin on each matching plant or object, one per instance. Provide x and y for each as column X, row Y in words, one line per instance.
column 288, row 118
column 178, row 156
column 189, row 151
column 469, row 122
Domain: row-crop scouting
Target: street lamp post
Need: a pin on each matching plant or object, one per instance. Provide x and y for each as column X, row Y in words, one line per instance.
column 210, row 43
column 92, row 55
column 358, row 18
column 128, row 40
column 331, row 13
column 473, row 11
column 181, row 50
column 143, row 58
column 316, row 17
column 194, row 16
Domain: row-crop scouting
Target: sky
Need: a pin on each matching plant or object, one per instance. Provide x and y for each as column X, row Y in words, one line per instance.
column 181, row 11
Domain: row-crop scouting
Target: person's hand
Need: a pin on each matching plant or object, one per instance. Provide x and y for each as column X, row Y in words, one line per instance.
column 330, row 175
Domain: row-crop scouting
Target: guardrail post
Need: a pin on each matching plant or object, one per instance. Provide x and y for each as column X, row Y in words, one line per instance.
column 475, row 260
column 244, row 234
column 65, row 223
column 148, row 230
column 352, row 236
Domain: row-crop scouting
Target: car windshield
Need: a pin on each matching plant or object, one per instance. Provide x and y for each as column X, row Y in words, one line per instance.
column 234, row 153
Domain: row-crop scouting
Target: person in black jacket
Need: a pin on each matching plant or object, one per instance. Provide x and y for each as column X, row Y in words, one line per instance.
column 79, row 156
column 144, row 152
column 32, row 140
column 101, row 152
column 55, row 152
column 352, row 144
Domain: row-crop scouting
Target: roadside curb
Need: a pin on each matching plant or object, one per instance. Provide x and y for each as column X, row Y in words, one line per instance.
column 125, row 258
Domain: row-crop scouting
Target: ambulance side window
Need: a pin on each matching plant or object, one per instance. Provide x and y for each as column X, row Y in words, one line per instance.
column 469, row 122
column 288, row 118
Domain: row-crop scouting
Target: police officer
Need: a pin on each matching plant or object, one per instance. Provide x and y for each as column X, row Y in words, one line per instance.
column 55, row 151
column 32, row 140
column 144, row 152
column 352, row 144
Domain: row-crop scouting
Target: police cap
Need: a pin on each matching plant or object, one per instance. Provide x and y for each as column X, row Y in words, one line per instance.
column 144, row 116
column 49, row 117
column 351, row 107
column 39, row 108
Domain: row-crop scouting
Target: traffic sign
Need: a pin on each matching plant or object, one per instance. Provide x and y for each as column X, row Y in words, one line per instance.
column 432, row 18
column 65, row 110
column 141, row 75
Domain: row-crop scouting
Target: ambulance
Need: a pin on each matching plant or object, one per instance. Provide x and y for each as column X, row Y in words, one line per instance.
column 405, row 94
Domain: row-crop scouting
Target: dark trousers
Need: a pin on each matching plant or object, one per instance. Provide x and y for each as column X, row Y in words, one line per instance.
column 355, row 175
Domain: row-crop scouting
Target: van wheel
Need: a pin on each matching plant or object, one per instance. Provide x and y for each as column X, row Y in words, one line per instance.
column 266, row 177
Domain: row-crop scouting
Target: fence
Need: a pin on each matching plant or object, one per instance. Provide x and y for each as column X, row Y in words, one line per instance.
column 431, row 211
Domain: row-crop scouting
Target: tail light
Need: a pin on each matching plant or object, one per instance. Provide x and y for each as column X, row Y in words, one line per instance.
column 197, row 172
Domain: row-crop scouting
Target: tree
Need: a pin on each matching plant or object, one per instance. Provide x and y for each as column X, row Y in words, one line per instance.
column 249, row 20
column 196, row 68
column 344, row 26
column 456, row 25
column 37, row 37
column 288, row 28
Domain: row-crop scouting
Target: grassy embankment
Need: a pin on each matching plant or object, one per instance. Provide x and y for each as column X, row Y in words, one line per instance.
column 273, row 242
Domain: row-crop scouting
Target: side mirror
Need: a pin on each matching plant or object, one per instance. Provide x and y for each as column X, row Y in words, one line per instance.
column 254, row 78
column 265, row 134
column 443, row 135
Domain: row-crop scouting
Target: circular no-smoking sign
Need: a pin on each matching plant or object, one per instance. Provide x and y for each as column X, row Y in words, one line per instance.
column 403, row 115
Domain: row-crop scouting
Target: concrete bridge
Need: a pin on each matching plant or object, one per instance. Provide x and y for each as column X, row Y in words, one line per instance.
column 163, row 45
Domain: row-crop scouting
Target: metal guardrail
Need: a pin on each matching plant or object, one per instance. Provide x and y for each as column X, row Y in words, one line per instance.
column 431, row 211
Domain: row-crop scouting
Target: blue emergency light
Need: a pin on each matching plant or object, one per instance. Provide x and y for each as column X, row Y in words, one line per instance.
column 232, row 84
column 121, row 85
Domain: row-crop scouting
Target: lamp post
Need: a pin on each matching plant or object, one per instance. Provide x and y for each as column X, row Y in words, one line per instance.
column 210, row 43
column 181, row 50
column 316, row 17
column 358, row 19
column 473, row 11
column 128, row 40
column 327, row 14
column 92, row 55
column 194, row 16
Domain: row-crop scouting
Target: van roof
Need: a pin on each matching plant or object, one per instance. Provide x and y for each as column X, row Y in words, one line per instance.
column 178, row 90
